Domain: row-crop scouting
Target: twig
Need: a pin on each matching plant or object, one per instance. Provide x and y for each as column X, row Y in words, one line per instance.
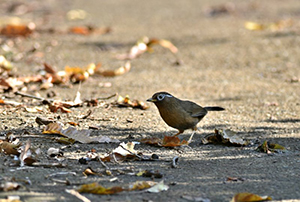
column 175, row 162
column 32, row 96
column 87, row 115
column 106, row 98
column 103, row 164
column 138, row 156
column 78, row 195
column 48, row 165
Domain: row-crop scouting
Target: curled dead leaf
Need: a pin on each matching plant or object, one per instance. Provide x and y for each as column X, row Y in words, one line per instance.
column 117, row 72
column 14, row 30
column 249, row 197
column 226, row 137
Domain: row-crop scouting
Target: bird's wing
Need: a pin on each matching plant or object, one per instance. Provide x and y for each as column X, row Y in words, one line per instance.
column 193, row 109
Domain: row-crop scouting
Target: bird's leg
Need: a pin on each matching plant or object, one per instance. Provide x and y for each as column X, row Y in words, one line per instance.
column 179, row 132
column 191, row 137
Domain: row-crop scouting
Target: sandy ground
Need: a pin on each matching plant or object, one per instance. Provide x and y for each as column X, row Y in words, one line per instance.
column 247, row 72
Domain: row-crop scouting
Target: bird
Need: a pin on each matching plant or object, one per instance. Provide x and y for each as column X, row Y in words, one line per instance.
column 180, row 114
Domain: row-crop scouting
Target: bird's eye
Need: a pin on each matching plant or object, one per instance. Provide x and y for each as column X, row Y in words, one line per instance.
column 160, row 97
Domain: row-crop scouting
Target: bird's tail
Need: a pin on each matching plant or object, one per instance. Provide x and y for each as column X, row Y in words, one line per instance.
column 214, row 108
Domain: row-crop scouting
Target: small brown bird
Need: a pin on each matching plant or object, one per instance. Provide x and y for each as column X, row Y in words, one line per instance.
column 180, row 114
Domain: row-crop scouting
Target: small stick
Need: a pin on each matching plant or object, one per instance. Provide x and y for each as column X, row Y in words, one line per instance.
column 106, row 98
column 138, row 156
column 175, row 162
column 32, row 96
column 78, row 195
column 103, row 164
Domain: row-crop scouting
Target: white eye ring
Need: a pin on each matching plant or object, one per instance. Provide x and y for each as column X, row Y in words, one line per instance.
column 160, row 97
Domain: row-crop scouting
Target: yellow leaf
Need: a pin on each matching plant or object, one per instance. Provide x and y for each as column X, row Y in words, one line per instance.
column 253, row 26
column 139, row 185
column 140, row 173
column 249, row 197
column 95, row 188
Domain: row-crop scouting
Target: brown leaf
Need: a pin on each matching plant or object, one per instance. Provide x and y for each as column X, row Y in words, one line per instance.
column 87, row 30
column 226, row 137
column 5, row 64
column 173, row 141
column 140, row 185
column 269, row 148
column 95, row 188
column 249, row 197
column 9, row 148
column 127, row 102
column 117, row 72
column 89, row 171
column 11, row 30
column 168, row 141
column 9, row 186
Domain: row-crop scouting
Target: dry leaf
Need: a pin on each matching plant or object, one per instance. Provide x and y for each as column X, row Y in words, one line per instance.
column 145, row 44
column 139, row 185
column 9, row 148
column 111, row 73
column 5, row 64
column 226, row 137
column 89, row 171
column 159, row 187
column 9, row 186
column 249, row 197
column 168, row 141
column 95, row 188
column 152, row 141
column 173, row 141
column 121, row 153
column 269, row 148
column 275, row 26
column 127, row 102
column 87, row 30
column 82, row 136
column 28, row 155
column 12, row 30
column 77, row 14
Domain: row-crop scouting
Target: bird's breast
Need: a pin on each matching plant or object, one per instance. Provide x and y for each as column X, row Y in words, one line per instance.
column 177, row 117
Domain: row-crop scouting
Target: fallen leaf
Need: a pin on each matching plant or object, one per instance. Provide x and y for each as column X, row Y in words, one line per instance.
column 152, row 141
column 139, row 185
column 269, row 148
column 145, row 44
column 95, row 188
column 77, row 14
column 5, row 64
column 111, row 73
column 121, row 153
column 127, row 102
column 89, row 171
column 9, row 186
column 275, row 26
column 9, row 148
column 82, row 136
column 27, row 156
column 159, row 187
column 87, row 30
column 168, row 141
column 13, row 30
column 173, row 141
column 226, row 137
column 150, row 173
column 249, row 197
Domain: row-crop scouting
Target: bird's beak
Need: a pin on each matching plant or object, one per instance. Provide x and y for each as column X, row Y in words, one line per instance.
column 151, row 100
